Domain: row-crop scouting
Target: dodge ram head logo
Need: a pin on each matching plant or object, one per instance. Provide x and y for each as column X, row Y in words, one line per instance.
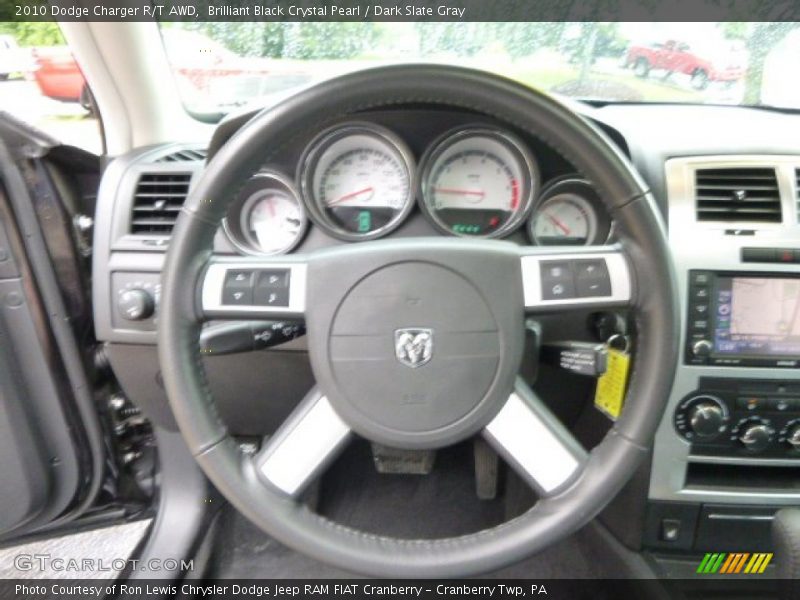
column 413, row 347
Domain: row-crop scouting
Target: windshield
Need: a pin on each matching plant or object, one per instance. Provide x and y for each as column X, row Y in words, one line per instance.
column 219, row 66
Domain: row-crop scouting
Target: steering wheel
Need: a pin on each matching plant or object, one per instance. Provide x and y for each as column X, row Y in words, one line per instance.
column 416, row 343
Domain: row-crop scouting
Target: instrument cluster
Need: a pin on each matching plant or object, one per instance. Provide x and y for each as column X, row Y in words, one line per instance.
column 360, row 181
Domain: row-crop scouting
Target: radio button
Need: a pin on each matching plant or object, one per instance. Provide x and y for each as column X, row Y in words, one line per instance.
column 701, row 348
column 699, row 278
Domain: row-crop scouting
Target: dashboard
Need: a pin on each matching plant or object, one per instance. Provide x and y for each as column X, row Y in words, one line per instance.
column 729, row 440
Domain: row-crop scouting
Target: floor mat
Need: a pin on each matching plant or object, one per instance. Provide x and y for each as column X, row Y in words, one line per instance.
column 408, row 506
column 94, row 554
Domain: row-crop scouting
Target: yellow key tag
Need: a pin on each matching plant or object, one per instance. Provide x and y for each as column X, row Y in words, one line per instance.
column 610, row 393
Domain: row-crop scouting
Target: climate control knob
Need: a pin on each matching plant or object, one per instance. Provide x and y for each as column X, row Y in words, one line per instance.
column 793, row 436
column 701, row 417
column 135, row 304
column 754, row 434
column 706, row 418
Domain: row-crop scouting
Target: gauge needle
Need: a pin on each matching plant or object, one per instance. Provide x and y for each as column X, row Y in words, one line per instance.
column 558, row 224
column 351, row 195
column 460, row 192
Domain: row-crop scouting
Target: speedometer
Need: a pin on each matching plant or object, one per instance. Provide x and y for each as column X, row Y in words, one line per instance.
column 357, row 181
column 478, row 182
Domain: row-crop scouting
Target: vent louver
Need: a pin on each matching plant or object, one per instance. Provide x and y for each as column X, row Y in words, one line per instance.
column 157, row 202
column 738, row 194
column 185, row 155
column 797, row 187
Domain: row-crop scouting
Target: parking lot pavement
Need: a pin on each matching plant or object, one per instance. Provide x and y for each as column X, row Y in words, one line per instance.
column 65, row 121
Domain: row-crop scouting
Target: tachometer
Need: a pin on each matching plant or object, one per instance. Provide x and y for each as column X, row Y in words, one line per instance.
column 478, row 182
column 268, row 217
column 569, row 213
column 357, row 181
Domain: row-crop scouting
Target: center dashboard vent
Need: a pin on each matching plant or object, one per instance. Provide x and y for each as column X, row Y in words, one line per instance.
column 738, row 194
column 157, row 201
column 797, row 187
column 185, row 155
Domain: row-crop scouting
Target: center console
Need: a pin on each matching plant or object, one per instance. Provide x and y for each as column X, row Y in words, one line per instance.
column 727, row 451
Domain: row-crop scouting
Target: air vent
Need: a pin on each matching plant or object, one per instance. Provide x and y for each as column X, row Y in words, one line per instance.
column 738, row 194
column 186, row 155
column 797, row 187
column 157, row 202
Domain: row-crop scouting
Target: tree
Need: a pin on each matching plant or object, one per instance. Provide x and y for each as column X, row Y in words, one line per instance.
column 762, row 39
column 31, row 33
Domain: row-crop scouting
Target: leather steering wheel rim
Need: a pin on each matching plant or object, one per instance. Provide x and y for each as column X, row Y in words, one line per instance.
column 642, row 238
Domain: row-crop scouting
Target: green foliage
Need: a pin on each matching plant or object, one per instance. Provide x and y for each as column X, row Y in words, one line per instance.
column 293, row 40
column 34, row 33
column 469, row 39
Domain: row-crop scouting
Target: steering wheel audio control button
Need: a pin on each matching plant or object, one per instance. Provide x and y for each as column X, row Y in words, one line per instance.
column 591, row 278
column 238, row 288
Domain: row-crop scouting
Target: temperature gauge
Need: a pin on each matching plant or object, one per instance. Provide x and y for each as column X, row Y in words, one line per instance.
column 569, row 213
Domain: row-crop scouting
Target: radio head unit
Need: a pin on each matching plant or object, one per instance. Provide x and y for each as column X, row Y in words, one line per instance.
column 743, row 319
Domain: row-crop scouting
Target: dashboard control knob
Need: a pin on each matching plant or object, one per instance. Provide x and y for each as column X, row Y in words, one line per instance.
column 793, row 437
column 756, row 437
column 706, row 418
column 701, row 348
column 135, row 304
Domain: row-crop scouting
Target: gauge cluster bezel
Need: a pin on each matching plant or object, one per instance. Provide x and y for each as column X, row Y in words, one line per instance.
column 527, row 164
column 262, row 181
column 310, row 162
column 574, row 185
column 534, row 192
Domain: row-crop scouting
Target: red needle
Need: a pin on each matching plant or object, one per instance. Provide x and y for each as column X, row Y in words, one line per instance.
column 459, row 191
column 558, row 224
column 350, row 195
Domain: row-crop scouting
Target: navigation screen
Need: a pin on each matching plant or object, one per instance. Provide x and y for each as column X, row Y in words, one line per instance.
column 757, row 316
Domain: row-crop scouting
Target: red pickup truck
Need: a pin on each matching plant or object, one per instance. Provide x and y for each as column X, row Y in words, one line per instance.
column 677, row 57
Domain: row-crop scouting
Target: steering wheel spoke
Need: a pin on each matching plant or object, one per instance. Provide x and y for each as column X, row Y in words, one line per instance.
column 595, row 277
column 303, row 446
column 535, row 443
column 253, row 288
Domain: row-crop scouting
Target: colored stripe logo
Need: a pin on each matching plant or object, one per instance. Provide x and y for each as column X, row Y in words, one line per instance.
column 734, row 563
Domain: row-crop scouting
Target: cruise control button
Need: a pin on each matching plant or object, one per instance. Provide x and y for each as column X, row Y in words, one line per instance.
column 557, row 280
